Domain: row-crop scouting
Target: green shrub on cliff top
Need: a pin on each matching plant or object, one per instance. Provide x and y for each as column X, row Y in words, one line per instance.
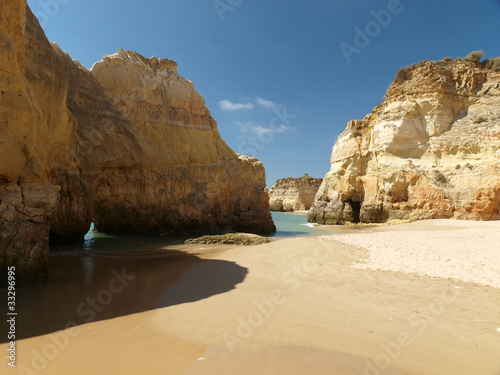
column 493, row 64
column 496, row 64
column 404, row 74
column 474, row 56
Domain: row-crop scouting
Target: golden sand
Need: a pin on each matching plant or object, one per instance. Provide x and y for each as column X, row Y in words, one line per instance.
column 317, row 305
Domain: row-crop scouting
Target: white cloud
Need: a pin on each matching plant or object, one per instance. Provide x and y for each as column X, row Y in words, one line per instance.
column 260, row 131
column 226, row 105
column 251, row 127
column 265, row 103
column 282, row 129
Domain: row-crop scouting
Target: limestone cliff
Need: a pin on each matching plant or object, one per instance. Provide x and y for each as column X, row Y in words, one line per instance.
column 293, row 194
column 431, row 149
column 26, row 195
column 129, row 144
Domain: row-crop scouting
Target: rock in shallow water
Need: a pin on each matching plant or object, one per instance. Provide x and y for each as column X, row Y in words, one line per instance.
column 230, row 239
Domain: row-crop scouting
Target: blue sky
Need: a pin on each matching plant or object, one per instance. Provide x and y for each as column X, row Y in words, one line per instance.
column 273, row 72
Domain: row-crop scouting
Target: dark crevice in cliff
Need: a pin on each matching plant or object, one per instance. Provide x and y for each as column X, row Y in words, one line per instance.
column 356, row 210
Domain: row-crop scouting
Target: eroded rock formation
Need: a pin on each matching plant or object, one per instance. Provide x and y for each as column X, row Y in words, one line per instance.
column 293, row 194
column 129, row 144
column 229, row 239
column 431, row 149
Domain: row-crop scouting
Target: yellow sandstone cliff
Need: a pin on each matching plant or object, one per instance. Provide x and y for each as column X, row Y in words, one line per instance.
column 293, row 194
column 431, row 149
column 128, row 144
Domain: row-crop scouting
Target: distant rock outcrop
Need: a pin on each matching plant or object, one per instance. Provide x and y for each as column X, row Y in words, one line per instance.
column 430, row 150
column 293, row 194
column 129, row 145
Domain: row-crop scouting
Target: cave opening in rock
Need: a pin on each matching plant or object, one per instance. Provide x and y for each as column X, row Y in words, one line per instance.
column 356, row 209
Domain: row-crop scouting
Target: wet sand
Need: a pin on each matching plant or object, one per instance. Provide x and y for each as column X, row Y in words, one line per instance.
column 298, row 212
column 312, row 305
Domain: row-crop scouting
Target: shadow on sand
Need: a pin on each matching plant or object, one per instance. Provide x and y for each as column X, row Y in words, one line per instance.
column 88, row 288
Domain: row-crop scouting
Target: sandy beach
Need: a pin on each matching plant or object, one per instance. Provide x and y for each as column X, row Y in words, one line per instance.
column 412, row 299
column 298, row 212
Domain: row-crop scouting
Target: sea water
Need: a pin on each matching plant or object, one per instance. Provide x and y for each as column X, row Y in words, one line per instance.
column 294, row 225
column 287, row 225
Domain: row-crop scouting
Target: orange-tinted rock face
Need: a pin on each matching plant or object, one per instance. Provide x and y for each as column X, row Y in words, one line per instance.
column 431, row 149
column 293, row 194
column 26, row 196
column 129, row 145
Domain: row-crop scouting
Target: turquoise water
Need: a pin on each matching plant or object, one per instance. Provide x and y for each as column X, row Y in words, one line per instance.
column 293, row 225
column 287, row 225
